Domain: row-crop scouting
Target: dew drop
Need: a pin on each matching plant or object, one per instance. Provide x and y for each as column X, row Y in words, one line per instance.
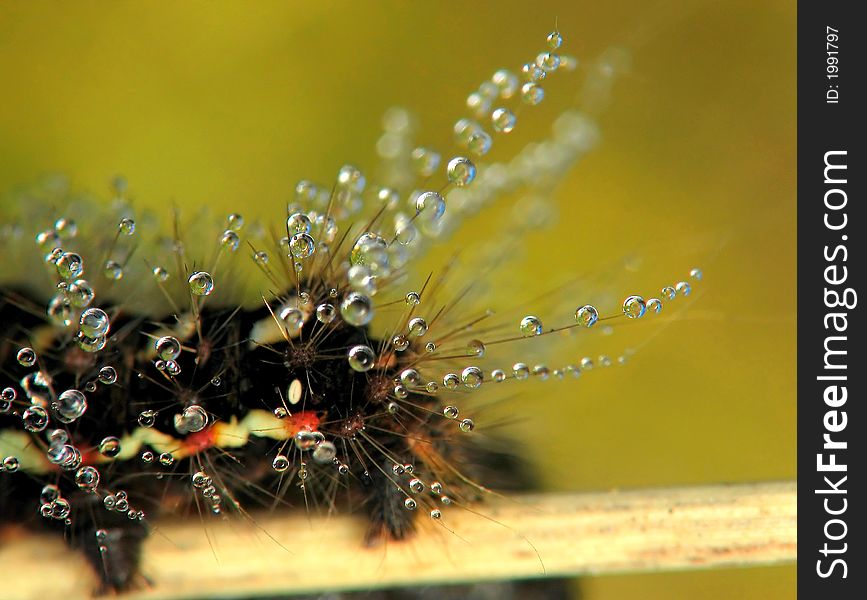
column 696, row 274
column 400, row 343
column 531, row 326
column 167, row 347
column 11, row 464
column 107, row 375
column 69, row 266
column 112, row 270
column 634, row 307
column 147, row 457
column 461, row 171
column 587, row 315
column 70, row 405
column 683, row 288
column 26, row 357
column 201, row 283
column 410, row 504
column 109, row 446
column 35, row 418
column 325, row 313
column 230, row 240
column 532, row 93
column 476, row 348
column 235, row 221
column 302, row 245
column 324, row 453
column 503, row 120
column 520, row 371
column 94, row 323
column 472, row 377
column 192, row 419
column 506, row 82
column 298, row 223
column 160, row 274
column 451, row 381
column 668, row 292
column 555, row 40
column 498, row 375
column 654, row 305
column 147, row 418
column 361, row 358
column 467, row 425
column 417, row 327
column 356, row 309
column 87, row 478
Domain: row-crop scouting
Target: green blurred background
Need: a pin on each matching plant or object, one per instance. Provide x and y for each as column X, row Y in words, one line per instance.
column 229, row 103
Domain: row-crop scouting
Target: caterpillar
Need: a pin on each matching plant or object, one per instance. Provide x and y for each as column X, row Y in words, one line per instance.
column 151, row 373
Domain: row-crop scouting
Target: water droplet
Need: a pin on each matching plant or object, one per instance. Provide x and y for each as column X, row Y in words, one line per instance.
column 26, row 357
column 94, row 323
column 167, row 347
column 668, row 292
column 235, row 221
column 361, row 358
column 230, row 240
column 66, row 228
column 417, row 327
column 654, row 305
column 112, row 270
column 451, row 381
column 506, row 82
column 416, row 485
column 70, row 405
column 160, row 274
column 461, row 171
column 80, row 293
column 432, row 387
column 634, row 307
column 476, row 348
column 683, row 288
column 356, row 309
column 430, row 347
column 587, row 315
column 520, row 371
column 35, row 418
column 109, row 446
column 503, row 120
column 302, row 245
column 147, row 418
column 292, row 319
column 532, row 73
column 297, row 223
column 696, row 274
column 126, row 226
column 351, row 178
column 467, row 425
column 425, row 161
column 531, row 326
column 532, row 93
column 472, row 377
column 400, row 343
column 69, row 266
column 498, row 375
column 192, row 419
column 325, row 313
column 410, row 504
column 555, row 40
column 87, row 478
column 107, row 375
column 324, row 453
column 430, row 206
column 201, row 283
column 11, row 464
column 548, row 61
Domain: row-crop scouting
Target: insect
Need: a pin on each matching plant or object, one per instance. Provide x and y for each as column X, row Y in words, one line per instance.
column 148, row 375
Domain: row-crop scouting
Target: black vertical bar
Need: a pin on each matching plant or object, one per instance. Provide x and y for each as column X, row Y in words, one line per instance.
column 832, row 562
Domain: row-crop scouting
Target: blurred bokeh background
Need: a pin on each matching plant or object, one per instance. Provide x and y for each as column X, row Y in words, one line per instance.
column 229, row 103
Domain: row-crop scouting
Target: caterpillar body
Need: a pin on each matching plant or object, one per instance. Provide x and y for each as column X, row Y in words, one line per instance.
column 234, row 394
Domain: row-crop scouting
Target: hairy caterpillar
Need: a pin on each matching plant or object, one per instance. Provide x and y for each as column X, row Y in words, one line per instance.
column 298, row 398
